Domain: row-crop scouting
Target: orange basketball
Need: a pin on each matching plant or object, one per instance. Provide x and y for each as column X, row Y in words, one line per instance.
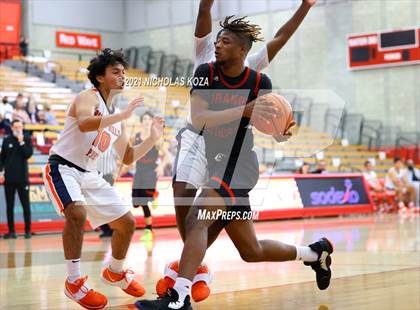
column 276, row 125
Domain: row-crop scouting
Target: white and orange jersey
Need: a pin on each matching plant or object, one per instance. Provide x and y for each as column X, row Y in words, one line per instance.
column 84, row 148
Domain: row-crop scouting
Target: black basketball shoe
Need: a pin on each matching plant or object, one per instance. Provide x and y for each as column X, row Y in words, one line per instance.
column 324, row 248
column 168, row 302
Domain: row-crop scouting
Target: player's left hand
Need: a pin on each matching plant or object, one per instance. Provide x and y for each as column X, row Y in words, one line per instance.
column 158, row 125
column 310, row 2
column 282, row 138
column 286, row 135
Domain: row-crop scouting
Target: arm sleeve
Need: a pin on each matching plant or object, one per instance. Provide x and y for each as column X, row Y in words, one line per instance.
column 258, row 61
column 203, row 50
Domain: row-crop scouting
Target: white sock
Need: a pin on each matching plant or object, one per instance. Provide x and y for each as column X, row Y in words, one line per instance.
column 183, row 287
column 73, row 269
column 306, row 254
column 116, row 265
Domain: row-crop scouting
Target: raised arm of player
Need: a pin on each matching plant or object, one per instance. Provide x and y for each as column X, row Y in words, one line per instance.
column 129, row 153
column 84, row 110
column 288, row 29
column 203, row 24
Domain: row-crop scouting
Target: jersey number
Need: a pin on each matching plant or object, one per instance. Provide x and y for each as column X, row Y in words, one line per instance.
column 102, row 141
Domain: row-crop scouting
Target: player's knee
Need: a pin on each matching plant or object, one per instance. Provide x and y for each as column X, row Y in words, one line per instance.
column 192, row 222
column 75, row 215
column 251, row 254
column 126, row 224
column 131, row 224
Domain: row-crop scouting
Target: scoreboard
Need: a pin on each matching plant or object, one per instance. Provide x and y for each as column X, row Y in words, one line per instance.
column 383, row 49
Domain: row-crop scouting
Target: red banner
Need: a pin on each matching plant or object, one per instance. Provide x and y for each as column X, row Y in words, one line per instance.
column 78, row 40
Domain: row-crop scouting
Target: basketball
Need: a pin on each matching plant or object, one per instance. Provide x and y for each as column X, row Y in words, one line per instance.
column 275, row 125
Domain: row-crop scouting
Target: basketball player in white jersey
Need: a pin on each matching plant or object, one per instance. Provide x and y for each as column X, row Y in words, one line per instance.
column 190, row 168
column 77, row 190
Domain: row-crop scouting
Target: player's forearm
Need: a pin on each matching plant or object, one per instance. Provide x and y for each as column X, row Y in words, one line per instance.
column 287, row 30
column 134, row 153
column 208, row 118
column 203, row 24
column 94, row 123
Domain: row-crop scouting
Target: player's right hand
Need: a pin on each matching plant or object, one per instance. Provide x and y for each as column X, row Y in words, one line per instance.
column 263, row 109
column 128, row 111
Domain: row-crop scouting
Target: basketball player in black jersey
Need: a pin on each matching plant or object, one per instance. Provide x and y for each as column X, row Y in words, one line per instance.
column 145, row 178
column 232, row 166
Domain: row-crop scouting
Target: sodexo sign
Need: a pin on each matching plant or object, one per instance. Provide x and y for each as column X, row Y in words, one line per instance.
column 336, row 197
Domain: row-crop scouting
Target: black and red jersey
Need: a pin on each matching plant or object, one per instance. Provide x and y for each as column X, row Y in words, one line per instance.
column 223, row 92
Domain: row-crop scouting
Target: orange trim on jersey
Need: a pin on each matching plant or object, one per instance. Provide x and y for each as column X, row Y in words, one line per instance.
column 52, row 188
column 226, row 187
column 244, row 80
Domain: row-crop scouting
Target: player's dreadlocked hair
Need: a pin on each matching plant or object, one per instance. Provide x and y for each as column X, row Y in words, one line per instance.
column 102, row 60
column 250, row 33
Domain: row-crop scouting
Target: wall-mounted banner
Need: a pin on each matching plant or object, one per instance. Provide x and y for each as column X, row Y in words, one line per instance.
column 78, row 40
column 332, row 191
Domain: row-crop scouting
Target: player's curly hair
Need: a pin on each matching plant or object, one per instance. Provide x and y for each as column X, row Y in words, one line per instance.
column 102, row 60
column 250, row 33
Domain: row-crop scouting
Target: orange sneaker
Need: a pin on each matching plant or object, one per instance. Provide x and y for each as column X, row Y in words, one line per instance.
column 124, row 280
column 200, row 289
column 168, row 281
column 83, row 295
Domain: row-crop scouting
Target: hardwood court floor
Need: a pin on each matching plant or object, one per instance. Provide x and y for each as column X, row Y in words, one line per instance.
column 376, row 265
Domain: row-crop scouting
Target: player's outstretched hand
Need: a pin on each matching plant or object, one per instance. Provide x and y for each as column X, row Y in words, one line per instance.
column 131, row 107
column 310, row 2
column 158, row 125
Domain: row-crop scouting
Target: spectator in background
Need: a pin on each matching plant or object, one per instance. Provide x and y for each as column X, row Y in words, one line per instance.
column 413, row 172
column 49, row 117
column 371, row 178
column 32, row 110
column 42, row 119
column 15, row 152
column 23, row 45
column 321, row 167
column 19, row 99
column 6, row 109
column 396, row 179
column 304, row 169
column 6, row 112
column 20, row 112
column 414, row 178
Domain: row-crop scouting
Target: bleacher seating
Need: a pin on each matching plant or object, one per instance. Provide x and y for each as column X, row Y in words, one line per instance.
column 172, row 103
